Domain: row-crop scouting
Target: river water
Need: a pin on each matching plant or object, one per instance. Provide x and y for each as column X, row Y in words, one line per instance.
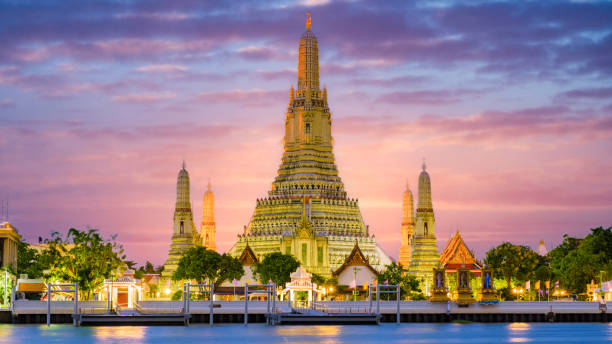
column 261, row 333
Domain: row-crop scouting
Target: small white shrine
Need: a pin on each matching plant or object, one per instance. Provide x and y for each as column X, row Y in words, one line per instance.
column 124, row 292
column 301, row 281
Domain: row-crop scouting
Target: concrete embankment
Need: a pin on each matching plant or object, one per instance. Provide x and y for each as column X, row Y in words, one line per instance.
column 29, row 312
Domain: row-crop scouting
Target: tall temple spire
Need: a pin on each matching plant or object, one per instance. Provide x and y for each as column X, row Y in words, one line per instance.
column 314, row 230
column 424, row 252
column 308, row 60
column 424, row 203
column 184, row 234
column 407, row 228
column 182, row 189
column 208, row 231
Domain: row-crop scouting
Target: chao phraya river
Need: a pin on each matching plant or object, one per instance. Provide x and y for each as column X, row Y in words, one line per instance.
column 261, row 333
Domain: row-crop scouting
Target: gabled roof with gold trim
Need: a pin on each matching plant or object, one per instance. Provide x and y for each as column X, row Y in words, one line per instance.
column 248, row 257
column 356, row 258
column 456, row 254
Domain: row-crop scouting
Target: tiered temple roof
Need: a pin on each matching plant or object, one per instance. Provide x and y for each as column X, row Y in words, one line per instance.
column 456, row 255
column 356, row 258
column 248, row 257
column 307, row 185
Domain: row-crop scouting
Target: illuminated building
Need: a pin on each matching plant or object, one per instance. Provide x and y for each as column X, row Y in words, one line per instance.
column 208, row 230
column 407, row 227
column 424, row 256
column 184, row 235
column 307, row 212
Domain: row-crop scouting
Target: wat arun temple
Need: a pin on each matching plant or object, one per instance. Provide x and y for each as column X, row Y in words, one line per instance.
column 307, row 212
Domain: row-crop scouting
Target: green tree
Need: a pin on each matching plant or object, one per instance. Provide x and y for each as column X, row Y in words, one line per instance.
column 201, row 264
column 28, row 261
column 277, row 267
column 395, row 273
column 83, row 257
column 575, row 262
column 512, row 261
column 149, row 268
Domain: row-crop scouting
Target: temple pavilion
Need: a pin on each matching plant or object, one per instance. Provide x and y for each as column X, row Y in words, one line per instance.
column 356, row 270
column 456, row 255
column 307, row 212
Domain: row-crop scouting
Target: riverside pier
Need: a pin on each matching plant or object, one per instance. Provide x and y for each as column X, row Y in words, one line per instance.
column 320, row 312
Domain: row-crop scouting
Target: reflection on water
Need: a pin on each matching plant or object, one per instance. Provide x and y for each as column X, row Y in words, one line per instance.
column 5, row 333
column 519, row 326
column 136, row 334
column 517, row 332
column 474, row 333
column 328, row 330
column 309, row 334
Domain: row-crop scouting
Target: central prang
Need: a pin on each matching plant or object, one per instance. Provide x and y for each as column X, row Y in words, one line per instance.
column 307, row 212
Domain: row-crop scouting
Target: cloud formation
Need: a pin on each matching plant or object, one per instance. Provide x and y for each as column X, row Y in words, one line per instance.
column 508, row 101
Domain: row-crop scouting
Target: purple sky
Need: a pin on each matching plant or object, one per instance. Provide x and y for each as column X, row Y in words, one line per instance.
column 510, row 102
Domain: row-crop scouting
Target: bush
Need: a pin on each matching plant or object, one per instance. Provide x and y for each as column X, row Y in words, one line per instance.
column 177, row 296
column 417, row 296
column 506, row 294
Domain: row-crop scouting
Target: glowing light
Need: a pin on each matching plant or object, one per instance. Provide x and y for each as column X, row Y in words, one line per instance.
column 120, row 332
column 167, row 291
column 519, row 326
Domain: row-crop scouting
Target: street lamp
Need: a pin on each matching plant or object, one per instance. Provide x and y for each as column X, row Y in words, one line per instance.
column 518, row 292
column 355, row 292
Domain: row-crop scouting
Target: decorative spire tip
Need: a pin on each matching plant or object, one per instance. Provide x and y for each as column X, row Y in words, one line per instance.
column 424, row 166
column 308, row 22
column 183, row 164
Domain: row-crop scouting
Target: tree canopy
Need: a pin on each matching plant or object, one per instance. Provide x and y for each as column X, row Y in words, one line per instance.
column 277, row 267
column 201, row 264
column 395, row 273
column 28, row 261
column 83, row 257
column 575, row 262
column 508, row 261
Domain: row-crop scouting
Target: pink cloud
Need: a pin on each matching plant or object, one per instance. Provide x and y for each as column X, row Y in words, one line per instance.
column 427, row 97
column 498, row 127
column 242, row 96
column 6, row 103
column 162, row 68
column 143, row 98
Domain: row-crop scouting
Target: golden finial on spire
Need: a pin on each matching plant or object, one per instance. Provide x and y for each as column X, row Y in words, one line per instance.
column 308, row 23
column 183, row 164
column 424, row 166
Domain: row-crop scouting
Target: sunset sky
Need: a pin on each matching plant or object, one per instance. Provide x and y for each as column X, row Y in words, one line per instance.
column 509, row 102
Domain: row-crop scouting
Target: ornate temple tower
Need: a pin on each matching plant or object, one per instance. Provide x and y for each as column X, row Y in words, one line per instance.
column 184, row 235
column 307, row 212
column 208, row 230
column 407, row 227
column 424, row 256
